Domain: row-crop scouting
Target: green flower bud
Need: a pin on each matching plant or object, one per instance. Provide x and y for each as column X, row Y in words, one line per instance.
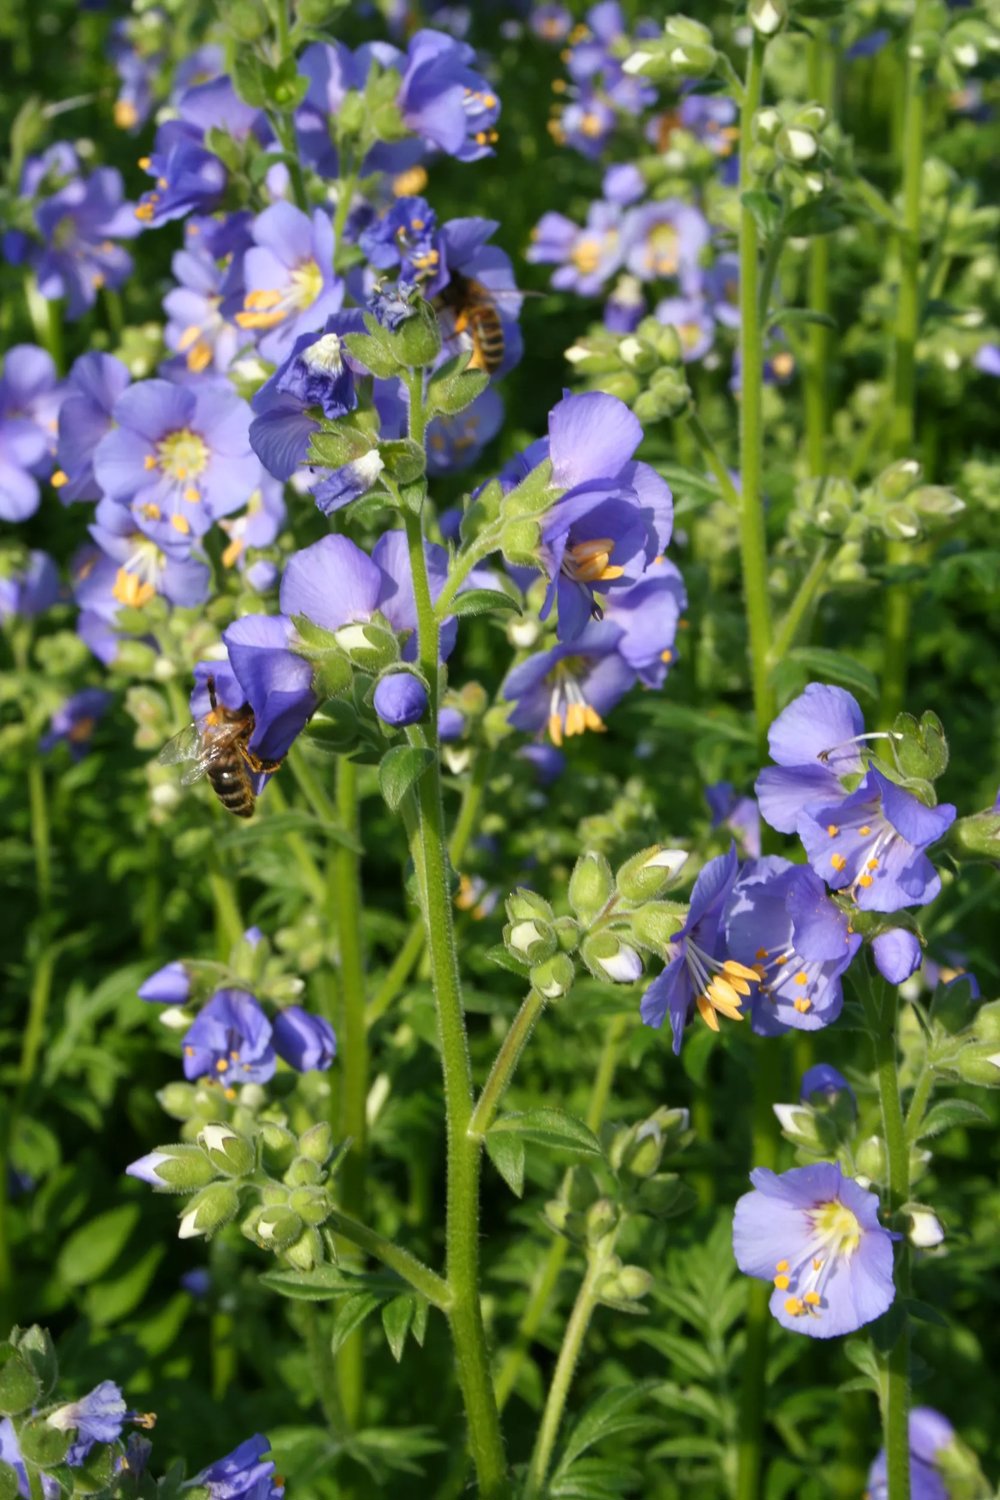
column 986, row 1023
column 42, row 1446
column 316, row 1143
column 975, row 837
column 793, row 144
column 522, row 905
column 762, row 160
column 765, row 126
column 20, row 1387
column 662, row 1197
column 608, row 958
column 306, row 1252
column 226, row 1150
column 625, row 1284
column 870, row 1159
column 595, row 355
column 553, row 978
column 979, row 1065
column 370, row 647
column 799, row 1125
column 901, row 524
column 810, row 117
column 649, row 872
column 935, row 502
column 622, row 384
column 668, row 395
column 567, row 933
column 519, row 543
column 311, row 1204
column 212, row 1208
column 246, row 21
column 896, row 482
column 531, row 941
column 417, row 341
column 601, row 1218
column 559, row 1217
column 175, row 1169
column 279, row 1144
column 303, row 1173
column 591, row 886
column 657, row 924
column 637, row 354
column 277, row 1228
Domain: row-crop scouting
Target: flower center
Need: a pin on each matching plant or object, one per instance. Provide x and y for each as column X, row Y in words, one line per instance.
column 182, row 454
column 586, row 254
column 719, row 988
column 836, row 1236
column 661, row 254
column 589, row 562
column 784, row 971
column 267, row 307
column 64, row 233
column 569, row 711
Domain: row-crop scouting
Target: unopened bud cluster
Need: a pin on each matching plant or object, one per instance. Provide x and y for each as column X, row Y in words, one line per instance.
column 897, row 504
column 645, row 368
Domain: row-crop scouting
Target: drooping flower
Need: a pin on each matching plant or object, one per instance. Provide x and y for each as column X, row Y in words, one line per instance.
column 698, row 975
column 197, row 329
column 815, row 741
column 825, row 1080
column 444, row 100
column 871, row 843
column 571, row 687
column 30, row 588
column 98, row 1417
column 170, row 985
column 930, row 1434
column 781, row 922
column 897, row 954
column 274, row 681
column 306, row 1043
column 290, row 284
column 179, row 458
column 74, row 721
column 815, row 1234
column 245, row 1472
column 78, row 226
column 93, row 387
column 318, row 377
column 30, row 396
column 230, row 1041
column 189, row 177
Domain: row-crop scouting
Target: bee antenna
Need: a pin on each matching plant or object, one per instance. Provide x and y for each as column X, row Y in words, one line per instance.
column 596, row 612
column 210, row 684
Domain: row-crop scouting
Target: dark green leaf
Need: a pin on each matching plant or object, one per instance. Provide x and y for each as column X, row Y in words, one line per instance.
column 765, row 209
column 835, row 666
column 549, row 1127
column 506, row 1152
column 401, row 768
column 483, row 602
column 949, row 1113
column 397, row 1316
column 93, row 1249
column 350, row 1315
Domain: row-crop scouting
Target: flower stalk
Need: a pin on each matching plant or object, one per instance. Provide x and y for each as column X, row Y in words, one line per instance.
column 896, row 1382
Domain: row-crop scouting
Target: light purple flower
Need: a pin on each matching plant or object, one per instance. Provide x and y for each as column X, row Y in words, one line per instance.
column 78, row 226
column 170, row 985
column 230, row 1041
column 815, row 1234
column 30, row 396
column 444, row 100
column 586, row 258
column 665, row 239
column 98, row 1417
column 815, row 741
column 897, row 954
column 930, row 1434
column 93, row 386
column 197, row 329
column 275, row 681
column 290, row 283
column 304, row 1042
column 29, row 590
column 569, row 688
column 75, row 720
column 988, row 359
column 825, row 1080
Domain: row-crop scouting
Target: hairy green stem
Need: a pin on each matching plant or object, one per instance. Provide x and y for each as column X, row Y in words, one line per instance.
column 423, row 1280
column 353, row 1041
column 753, row 1392
column 809, row 587
column 821, row 65
column 898, row 600
column 562, row 1375
column 505, row 1064
column 464, row 1154
column 550, row 1269
column 753, row 537
column 896, row 1386
column 40, row 842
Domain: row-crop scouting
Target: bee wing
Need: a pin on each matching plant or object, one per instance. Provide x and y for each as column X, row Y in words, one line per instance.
column 202, row 744
column 183, row 746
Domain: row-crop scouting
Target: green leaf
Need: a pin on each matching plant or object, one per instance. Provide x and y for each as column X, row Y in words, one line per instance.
column 949, row 1113
column 326, row 1281
column 549, row 1127
column 397, row 1316
column 251, row 77
column 814, row 218
column 484, row 602
column 801, row 315
column 836, row 666
column 611, row 1415
column 765, row 209
column 506, row 1152
column 499, row 955
column 350, row 1315
column 401, row 768
column 111, row 1300
column 94, row 1248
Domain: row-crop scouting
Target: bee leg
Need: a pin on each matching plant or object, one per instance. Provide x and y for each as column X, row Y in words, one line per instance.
column 461, row 322
column 258, row 764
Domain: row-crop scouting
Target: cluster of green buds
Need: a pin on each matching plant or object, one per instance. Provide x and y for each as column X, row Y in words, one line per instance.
column 957, row 50
column 287, row 1177
column 792, row 148
column 685, row 50
column 644, row 369
column 897, row 504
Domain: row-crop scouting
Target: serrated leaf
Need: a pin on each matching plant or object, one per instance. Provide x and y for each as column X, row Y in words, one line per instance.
column 483, row 602
column 400, row 769
column 350, row 1315
column 949, row 1113
column 506, row 1152
column 549, row 1127
column 397, row 1316
column 326, row 1281
column 610, row 1415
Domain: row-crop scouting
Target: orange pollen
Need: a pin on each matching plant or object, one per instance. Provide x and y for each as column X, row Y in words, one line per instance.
column 865, row 830
column 59, row 478
column 838, row 861
column 832, row 830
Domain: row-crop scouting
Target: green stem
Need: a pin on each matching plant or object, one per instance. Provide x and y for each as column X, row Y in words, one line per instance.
column 505, row 1063
column 562, row 1376
column 713, row 458
column 353, row 1042
column 753, row 537
column 420, row 1277
column 311, row 787
column 919, row 1100
column 548, row 1274
column 896, row 1387
column 228, row 920
column 40, row 843
column 898, row 601
column 345, row 192
column 464, row 1155
column 809, row 587
column 816, row 375
column 753, row 1394
column 312, row 875
column 397, row 974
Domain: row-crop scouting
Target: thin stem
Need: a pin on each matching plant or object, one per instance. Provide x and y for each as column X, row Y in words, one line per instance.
column 397, row 974
column 311, row 787
column 753, row 537
column 345, row 193
column 464, row 1155
column 896, row 1388
column 807, row 590
column 312, row 875
column 821, row 64
column 353, row 1041
column 919, row 1100
column 753, row 1394
column 713, row 458
column 898, row 601
column 505, row 1064
column 562, row 1376
column 423, row 1280
column 40, row 843
column 228, row 920
column 549, row 1271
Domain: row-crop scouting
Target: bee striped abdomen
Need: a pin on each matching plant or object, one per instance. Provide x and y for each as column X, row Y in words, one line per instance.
column 232, row 786
column 486, row 331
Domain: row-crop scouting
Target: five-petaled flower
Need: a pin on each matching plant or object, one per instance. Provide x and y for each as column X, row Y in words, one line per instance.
column 815, row 1234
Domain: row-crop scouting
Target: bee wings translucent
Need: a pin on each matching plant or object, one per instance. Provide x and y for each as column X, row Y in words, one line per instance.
column 203, row 744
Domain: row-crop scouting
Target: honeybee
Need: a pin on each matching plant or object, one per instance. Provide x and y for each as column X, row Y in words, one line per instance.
column 218, row 747
column 474, row 309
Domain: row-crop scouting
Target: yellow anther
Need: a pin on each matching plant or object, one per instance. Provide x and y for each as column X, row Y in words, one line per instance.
column 872, row 864
column 865, row 880
column 189, row 1052
column 130, row 591
column 229, row 1093
column 813, row 1299
column 794, row 1306
column 802, row 978
column 802, row 1004
column 59, row 478
column 817, row 1263
column 782, row 1283
column 192, row 495
column 144, row 212
column 838, row 861
column 556, row 729
column 231, row 553
column 736, row 970
column 781, row 961
column 149, row 462
column 408, row 184
column 832, row 830
column 707, row 1012
column 865, row 830
column 181, row 524
column 761, row 953
column 667, row 655
column 151, row 511
column 592, row 719
column 782, row 1265
column 144, row 163
column 221, row 1065
column 125, row 114
column 783, row 364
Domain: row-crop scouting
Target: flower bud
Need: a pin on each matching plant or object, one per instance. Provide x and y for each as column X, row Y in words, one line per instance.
column 277, row 1228
column 178, row 1100
column 765, row 126
column 667, row 395
column 601, row 1219
column 798, row 1125
column 870, row 1159
column 608, row 958
column 977, row 836
column 400, row 699
column 979, row 1065
column 896, row 482
column 303, row 1173
column 531, row 941
column 212, row 1208
column 649, row 872
column 553, row 978
column 524, row 904
column 316, row 1143
column 767, row 17
column 625, row 1284
column 657, row 924
column 311, row 1204
column 636, row 354
column 417, row 340
column 986, row 1024
column 595, row 355
column 620, row 383
column 306, row 1252
column 901, row 524
column 174, row 1169
column 926, row 1230
column 793, row 144
column 591, row 886
column 228, row 1152
column 935, row 502
column 280, row 1145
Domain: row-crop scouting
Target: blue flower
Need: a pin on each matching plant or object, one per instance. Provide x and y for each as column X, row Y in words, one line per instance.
column 569, row 688
column 97, row 1418
column 273, row 679
column 189, row 177
column 170, row 985
column 897, row 954
column 400, row 699
column 697, row 974
column 405, row 239
column 815, row 1234
column 586, row 258
column 665, row 238
column 30, row 589
column 304, row 1042
column 30, row 397
column 930, row 1434
column 93, row 386
column 740, row 815
column 781, row 922
column 197, row 328
column 230, row 1041
column 245, row 1472
column 290, row 284
column 78, row 226
column 816, row 741
column 825, row 1080
column 75, row 720
column 318, row 376
column 444, row 100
